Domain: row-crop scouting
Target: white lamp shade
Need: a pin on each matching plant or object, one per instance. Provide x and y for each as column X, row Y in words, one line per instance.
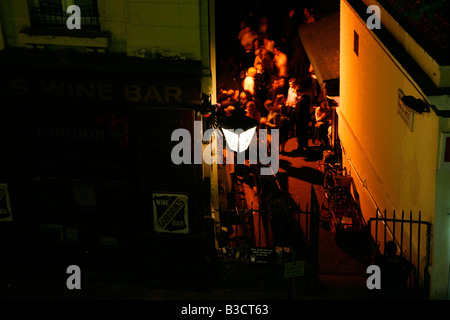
column 238, row 140
column 245, row 138
column 232, row 139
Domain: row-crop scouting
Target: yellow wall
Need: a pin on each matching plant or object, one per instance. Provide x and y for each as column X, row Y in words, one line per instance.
column 164, row 26
column 393, row 168
column 401, row 169
column 14, row 17
column 170, row 28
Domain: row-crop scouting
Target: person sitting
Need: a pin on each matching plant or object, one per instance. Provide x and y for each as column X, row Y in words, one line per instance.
column 322, row 121
column 395, row 270
column 273, row 119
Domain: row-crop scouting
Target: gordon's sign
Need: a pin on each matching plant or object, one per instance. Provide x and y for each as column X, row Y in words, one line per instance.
column 170, row 213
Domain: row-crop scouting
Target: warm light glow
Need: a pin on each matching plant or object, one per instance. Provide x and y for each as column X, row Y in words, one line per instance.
column 245, row 138
column 239, row 142
column 232, row 139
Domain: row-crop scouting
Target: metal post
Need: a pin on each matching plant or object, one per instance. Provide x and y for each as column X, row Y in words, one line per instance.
column 393, row 225
column 426, row 273
column 410, row 235
column 401, row 233
column 376, row 229
column 314, row 236
column 291, row 282
column 259, row 228
column 385, row 228
column 418, row 251
column 307, row 225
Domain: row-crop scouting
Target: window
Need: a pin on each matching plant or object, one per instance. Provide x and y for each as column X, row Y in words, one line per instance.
column 356, row 43
column 52, row 13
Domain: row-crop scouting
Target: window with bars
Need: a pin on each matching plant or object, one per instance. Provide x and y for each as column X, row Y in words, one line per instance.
column 52, row 13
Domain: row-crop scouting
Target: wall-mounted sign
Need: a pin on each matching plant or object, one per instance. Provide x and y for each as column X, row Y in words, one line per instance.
column 406, row 114
column 170, row 213
column 5, row 206
column 294, row 269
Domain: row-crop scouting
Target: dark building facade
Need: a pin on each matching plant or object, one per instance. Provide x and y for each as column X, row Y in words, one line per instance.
column 88, row 165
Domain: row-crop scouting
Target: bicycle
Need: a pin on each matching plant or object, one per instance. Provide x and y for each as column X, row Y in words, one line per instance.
column 335, row 180
column 343, row 210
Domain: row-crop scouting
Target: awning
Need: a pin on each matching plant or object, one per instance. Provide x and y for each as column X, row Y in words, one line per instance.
column 321, row 42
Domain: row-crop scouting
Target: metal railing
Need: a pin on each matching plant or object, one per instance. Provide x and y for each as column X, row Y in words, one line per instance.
column 408, row 233
column 435, row 27
column 270, row 228
column 52, row 15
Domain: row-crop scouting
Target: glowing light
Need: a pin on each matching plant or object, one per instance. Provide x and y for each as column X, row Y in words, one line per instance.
column 238, row 142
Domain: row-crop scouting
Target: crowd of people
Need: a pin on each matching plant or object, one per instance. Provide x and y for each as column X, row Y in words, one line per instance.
column 272, row 79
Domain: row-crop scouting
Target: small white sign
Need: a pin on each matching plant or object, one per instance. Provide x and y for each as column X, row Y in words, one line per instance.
column 294, row 269
column 406, row 114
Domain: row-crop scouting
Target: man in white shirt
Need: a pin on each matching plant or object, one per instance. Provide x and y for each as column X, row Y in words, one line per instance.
column 249, row 82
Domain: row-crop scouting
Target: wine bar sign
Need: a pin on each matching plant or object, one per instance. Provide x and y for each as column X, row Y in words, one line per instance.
column 170, row 213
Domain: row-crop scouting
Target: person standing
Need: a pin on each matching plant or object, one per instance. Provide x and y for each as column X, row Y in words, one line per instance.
column 290, row 104
column 280, row 61
column 291, row 99
column 302, row 118
column 262, row 79
column 308, row 15
column 249, row 82
column 247, row 54
column 288, row 31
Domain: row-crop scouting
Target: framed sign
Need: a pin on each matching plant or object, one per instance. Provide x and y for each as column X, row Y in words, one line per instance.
column 170, row 213
column 406, row 114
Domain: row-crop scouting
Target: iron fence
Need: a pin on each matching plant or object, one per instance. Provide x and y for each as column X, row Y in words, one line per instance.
column 273, row 227
column 412, row 236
